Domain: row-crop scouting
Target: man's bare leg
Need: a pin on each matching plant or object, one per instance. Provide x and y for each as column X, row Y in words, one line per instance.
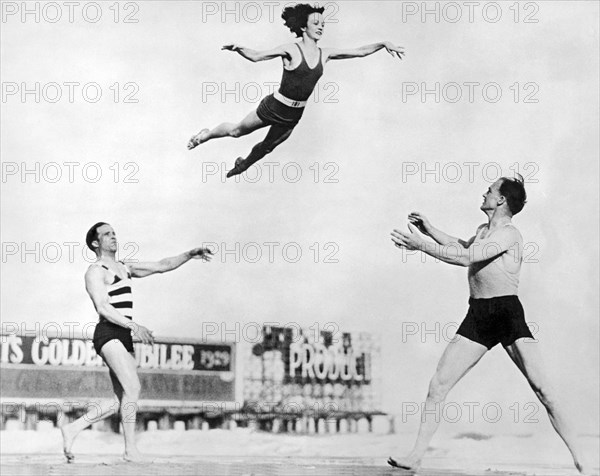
column 527, row 356
column 96, row 412
column 459, row 357
column 124, row 367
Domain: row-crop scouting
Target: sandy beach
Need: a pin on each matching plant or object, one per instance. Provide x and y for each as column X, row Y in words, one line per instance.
column 244, row 452
column 230, row 466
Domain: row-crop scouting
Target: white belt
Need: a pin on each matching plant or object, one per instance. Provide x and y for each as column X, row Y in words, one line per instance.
column 287, row 101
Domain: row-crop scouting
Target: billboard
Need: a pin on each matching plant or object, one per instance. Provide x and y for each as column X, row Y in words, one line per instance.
column 173, row 372
column 297, row 370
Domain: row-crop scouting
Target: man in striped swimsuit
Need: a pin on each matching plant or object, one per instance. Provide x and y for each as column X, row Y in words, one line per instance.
column 495, row 315
column 108, row 282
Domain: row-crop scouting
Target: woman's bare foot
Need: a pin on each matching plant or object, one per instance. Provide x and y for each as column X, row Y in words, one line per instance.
column 238, row 168
column 198, row 139
column 68, row 438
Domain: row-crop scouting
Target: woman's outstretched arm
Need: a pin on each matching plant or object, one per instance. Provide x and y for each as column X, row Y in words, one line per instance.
column 254, row 56
column 335, row 54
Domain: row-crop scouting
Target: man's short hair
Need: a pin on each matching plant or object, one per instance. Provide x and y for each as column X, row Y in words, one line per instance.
column 92, row 235
column 513, row 189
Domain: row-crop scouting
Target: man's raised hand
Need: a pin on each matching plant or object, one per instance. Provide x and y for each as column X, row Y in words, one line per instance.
column 411, row 240
column 201, row 253
column 396, row 51
column 421, row 222
column 230, row 47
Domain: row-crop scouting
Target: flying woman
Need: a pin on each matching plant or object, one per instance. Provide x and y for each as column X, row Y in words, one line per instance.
column 302, row 67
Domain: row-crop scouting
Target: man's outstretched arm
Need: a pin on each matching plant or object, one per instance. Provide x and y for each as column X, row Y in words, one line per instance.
column 146, row 268
column 424, row 226
column 451, row 253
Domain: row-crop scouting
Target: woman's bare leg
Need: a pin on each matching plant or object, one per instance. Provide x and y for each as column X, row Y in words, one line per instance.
column 276, row 135
column 249, row 124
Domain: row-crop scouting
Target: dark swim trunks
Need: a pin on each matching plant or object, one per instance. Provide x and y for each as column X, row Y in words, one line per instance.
column 495, row 320
column 107, row 331
column 273, row 112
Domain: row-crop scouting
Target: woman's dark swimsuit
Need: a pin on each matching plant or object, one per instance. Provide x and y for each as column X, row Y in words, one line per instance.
column 497, row 320
column 297, row 85
column 120, row 297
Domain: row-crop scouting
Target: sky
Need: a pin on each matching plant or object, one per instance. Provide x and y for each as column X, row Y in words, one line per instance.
column 112, row 104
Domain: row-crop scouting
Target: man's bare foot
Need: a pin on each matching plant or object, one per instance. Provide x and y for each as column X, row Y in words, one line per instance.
column 137, row 457
column 407, row 463
column 68, row 438
column 196, row 140
column 237, row 169
column 586, row 470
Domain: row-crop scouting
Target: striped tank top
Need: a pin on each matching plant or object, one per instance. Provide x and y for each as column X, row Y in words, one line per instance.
column 298, row 83
column 119, row 293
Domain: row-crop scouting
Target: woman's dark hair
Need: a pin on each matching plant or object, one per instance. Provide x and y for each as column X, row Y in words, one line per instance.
column 92, row 235
column 296, row 17
column 513, row 189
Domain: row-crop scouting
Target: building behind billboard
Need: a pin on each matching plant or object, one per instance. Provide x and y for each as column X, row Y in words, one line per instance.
column 287, row 379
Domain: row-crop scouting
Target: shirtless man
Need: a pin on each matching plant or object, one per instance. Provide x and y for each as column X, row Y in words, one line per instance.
column 495, row 315
column 108, row 282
